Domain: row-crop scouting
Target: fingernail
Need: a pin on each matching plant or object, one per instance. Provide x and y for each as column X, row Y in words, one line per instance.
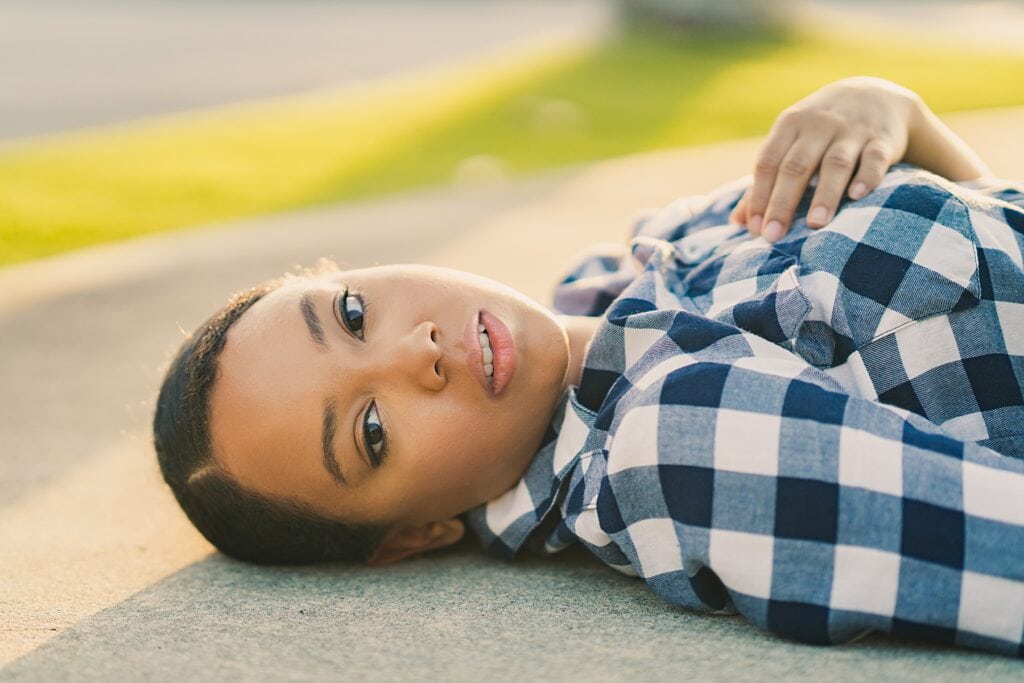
column 755, row 224
column 818, row 215
column 772, row 231
column 858, row 190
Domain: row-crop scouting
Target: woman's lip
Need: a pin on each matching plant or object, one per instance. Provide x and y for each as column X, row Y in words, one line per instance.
column 475, row 355
column 504, row 348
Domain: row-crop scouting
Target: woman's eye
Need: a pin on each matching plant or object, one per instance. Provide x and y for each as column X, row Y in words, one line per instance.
column 351, row 308
column 374, row 437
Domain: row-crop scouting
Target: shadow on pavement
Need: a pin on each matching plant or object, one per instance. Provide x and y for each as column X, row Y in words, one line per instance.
column 452, row 616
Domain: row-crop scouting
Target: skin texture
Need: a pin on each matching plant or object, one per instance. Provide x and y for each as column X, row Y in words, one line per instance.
column 450, row 445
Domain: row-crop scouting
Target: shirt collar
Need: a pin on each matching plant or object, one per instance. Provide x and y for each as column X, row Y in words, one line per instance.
column 505, row 523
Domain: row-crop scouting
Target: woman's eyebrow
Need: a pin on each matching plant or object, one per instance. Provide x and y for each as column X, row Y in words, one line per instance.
column 330, row 417
column 330, row 427
column 316, row 330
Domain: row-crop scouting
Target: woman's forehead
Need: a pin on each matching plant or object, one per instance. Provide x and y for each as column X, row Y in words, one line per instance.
column 267, row 378
column 278, row 310
column 268, row 351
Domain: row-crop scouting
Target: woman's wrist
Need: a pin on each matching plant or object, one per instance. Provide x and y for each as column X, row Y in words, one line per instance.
column 933, row 146
column 916, row 120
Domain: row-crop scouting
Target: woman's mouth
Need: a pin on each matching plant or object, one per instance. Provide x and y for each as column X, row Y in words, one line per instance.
column 491, row 352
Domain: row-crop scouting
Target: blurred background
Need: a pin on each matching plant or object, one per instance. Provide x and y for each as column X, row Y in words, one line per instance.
column 121, row 118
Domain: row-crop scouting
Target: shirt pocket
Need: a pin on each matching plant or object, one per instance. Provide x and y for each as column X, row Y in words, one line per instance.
column 742, row 282
column 876, row 292
column 776, row 313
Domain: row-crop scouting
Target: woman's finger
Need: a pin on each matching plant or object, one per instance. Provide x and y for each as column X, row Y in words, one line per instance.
column 795, row 172
column 837, row 166
column 738, row 214
column 765, row 171
column 875, row 159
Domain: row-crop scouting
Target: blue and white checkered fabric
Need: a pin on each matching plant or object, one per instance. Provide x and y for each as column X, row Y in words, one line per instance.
column 825, row 434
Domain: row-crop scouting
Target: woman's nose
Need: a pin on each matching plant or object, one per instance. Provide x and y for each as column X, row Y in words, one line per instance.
column 420, row 356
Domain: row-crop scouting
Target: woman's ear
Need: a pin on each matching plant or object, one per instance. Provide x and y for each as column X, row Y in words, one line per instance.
column 405, row 541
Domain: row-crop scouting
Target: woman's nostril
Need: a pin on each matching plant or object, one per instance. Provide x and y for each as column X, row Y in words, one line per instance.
column 437, row 368
column 433, row 334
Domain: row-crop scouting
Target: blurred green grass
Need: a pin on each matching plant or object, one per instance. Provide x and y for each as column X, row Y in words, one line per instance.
column 643, row 89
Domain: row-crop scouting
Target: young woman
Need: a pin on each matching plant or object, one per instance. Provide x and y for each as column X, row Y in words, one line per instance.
column 801, row 404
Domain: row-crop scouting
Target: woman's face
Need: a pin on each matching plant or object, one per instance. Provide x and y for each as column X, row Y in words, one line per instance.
column 374, row 406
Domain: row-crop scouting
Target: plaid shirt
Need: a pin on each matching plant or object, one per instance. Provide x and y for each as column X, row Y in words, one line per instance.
column 825, row 434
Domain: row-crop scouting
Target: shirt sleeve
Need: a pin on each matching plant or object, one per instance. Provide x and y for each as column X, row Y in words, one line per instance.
column 1007, row 191
column 759, row 483
column 601, row 272
column 599, row 275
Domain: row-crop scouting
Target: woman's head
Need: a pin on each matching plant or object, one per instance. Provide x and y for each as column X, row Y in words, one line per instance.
column 355, row 405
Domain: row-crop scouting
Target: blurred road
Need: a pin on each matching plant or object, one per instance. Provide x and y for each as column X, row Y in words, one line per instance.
column 66, row 64
column 103, row 579
column 997, row 24
column 71, row 63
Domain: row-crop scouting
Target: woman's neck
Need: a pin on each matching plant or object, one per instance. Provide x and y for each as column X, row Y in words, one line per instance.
column 579, row 330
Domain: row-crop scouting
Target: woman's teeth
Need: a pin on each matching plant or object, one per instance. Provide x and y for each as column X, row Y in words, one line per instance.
column 485, row 346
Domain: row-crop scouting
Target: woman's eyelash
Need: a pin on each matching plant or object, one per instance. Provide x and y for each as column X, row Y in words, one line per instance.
column 375, row 437
column 351, row 309
column 356, row 319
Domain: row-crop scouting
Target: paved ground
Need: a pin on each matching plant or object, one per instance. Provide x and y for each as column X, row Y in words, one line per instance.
column 71, row 63
column 105, row 580
column 993, row 23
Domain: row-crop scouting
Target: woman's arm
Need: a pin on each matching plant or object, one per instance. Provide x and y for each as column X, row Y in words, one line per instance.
column 849, row 132
column 934, row 147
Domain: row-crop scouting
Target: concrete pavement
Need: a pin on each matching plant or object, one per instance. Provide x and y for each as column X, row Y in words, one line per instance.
column 105, row 580
column 993, row 24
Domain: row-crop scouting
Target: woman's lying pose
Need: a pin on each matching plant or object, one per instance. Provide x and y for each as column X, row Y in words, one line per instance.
column 821, row 426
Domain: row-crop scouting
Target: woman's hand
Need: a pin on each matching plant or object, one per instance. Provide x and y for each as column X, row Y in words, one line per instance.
column 855, row 129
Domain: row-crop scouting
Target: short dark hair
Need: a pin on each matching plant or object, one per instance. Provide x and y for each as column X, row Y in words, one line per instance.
column 238, row 521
